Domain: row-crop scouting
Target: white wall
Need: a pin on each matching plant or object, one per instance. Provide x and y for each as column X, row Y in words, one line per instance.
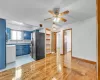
column 84, row 39
column 68, row 40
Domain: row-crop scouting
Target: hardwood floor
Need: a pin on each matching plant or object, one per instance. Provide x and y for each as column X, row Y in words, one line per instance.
column 52, row 67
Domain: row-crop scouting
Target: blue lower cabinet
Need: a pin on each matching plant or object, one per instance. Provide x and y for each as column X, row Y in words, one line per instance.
column 19, row 52
column 26, row 49
column 19, row 47
column 22, row 50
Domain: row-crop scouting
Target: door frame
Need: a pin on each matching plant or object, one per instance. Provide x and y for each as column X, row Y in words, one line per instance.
column 71, row 40
column 98, row 37
column 54, row 36
column 56, row 40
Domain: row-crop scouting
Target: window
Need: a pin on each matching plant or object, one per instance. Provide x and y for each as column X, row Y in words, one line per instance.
column 16, row 35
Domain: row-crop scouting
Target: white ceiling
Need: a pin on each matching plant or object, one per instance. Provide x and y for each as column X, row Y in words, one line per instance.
column 35, row 11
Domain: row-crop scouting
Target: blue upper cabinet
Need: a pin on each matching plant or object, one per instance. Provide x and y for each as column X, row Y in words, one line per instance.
column 27, row 35
column 2, row 43
column 8, row 32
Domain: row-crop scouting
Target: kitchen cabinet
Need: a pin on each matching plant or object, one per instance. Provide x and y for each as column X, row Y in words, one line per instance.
column 2, row 43
column 19, row 50
column 27, row 35
column 26, row 49
column 8, row 32
column 22, row 50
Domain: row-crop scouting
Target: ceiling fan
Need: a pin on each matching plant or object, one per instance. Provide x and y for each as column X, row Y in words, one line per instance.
column 56, row 15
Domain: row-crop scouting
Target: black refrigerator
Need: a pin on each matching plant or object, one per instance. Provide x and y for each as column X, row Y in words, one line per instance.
column 38, row 45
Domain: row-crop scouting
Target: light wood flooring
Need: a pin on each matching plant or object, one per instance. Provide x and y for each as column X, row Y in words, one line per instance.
column 52, row 67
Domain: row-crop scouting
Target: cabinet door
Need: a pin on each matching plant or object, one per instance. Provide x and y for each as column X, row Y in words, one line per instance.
column 8, row 32
column 22, row 50
column 19, row 50
column 26, row 49
column 27, row 35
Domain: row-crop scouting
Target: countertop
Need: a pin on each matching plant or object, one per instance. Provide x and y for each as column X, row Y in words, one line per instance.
column 19, row 44
column 10, row 46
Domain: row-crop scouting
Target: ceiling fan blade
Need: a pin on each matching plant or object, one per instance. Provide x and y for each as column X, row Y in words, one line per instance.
column 63, row 13
column 47, row 19
column 51, row 12
column 62, row 19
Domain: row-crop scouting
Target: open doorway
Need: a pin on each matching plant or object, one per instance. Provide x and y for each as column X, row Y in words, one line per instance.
column 67, row 47
column 59, row 42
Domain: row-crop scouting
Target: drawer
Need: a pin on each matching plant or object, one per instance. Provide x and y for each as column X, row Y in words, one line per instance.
column 26, row 46
column 19, row 47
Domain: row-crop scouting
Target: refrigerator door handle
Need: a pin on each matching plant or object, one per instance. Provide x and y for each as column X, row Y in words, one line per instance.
column 32, row 42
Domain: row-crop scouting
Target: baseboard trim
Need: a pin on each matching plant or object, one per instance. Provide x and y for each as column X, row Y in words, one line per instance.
column 69, row 51
column 48, row 54
column 88, row 61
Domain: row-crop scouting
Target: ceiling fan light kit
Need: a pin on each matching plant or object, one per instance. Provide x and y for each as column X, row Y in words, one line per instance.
column 57, row 16
column 56, row 19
